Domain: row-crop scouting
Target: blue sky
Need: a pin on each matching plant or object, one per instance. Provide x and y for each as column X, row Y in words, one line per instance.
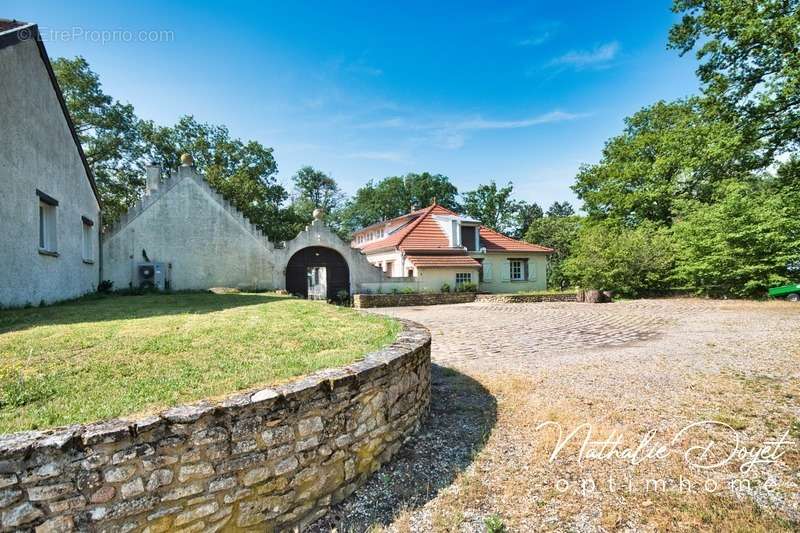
column 521, row 92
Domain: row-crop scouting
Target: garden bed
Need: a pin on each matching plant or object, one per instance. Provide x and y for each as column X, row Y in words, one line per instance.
column 101, row 358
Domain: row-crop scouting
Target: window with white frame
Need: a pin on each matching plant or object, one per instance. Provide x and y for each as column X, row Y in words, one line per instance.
column 517, row 270
column 47, row 223
column 87, row 250
column 463, row 277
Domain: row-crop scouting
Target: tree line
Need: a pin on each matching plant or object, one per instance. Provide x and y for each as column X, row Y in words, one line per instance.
column 118, row 146
column 701, row 193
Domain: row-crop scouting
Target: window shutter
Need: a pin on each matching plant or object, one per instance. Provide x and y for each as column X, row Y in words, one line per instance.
column 487, row 271
column 531, row 270
column 507, row 271
column 525, row 273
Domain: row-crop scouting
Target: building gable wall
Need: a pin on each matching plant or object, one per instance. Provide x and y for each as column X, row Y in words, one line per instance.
column 37, row 151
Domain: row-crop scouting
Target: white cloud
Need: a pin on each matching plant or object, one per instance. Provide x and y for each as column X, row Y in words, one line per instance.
column 580, row 59
column 546, row 118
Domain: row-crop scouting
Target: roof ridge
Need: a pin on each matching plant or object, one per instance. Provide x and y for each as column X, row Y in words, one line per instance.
column 416, row 223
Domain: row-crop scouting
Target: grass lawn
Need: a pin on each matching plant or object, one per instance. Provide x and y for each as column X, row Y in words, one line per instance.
column 94, row 359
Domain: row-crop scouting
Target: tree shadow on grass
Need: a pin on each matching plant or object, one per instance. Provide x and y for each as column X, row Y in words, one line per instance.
column 462, row 415
column 99, row 308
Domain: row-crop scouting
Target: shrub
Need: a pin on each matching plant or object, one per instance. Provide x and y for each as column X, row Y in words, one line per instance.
column 494, row 524
column 445, row 287
column 467, row 287
column 105, row 286
column 342, row 296
column 407, row 290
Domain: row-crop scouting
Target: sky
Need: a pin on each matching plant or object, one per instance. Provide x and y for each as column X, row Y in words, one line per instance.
column 524, row 92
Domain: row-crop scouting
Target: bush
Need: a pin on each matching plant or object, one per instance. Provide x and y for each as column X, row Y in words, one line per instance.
column 407, row 290
column 105, row 286
column 608, row 256
column 445, row 287
column 342, row 297
column 467, row 287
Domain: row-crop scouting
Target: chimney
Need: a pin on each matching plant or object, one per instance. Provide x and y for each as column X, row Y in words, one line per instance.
column 153, row 174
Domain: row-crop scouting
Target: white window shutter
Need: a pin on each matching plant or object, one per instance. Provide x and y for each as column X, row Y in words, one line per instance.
column 531, row 270
column 506, row 271
column 487, row 271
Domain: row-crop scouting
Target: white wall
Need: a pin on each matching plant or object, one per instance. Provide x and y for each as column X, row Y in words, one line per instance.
column 187, row 224
column 37, row 151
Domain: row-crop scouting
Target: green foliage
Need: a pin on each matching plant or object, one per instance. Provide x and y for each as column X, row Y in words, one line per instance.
column 493, row 206
column 749, row 68
column 494, row 524
column 667, row 151
column 109, row 134
column 407, row 290
column 395, row 196
column 560, row 209
column 743, row 243
column 467, row 287
column 526, row 215
column 608, row 256
column 445, row 287
column 558, row 233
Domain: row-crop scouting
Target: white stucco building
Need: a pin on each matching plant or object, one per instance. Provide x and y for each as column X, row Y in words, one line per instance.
column 49, row 206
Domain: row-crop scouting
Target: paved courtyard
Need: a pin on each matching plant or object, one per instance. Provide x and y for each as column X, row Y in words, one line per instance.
column 632, row 366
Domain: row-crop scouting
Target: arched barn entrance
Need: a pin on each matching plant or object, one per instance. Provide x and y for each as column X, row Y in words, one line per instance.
column 318, row 271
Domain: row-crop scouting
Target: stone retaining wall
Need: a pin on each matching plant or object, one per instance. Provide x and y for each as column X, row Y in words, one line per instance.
column 526, row 298
column 270, row 459
column 363, row 301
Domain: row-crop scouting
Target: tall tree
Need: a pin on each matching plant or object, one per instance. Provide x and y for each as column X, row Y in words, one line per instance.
column 560, row 209
column 243, row 172
column 559, row 233
column 313, row 188
column 526, row 215
column 109, row 134
column 667, row 151
column 493, row 206
column 749, row 55
column 395, row 196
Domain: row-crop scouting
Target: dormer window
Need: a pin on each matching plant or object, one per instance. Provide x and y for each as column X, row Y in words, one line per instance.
column 469, row 237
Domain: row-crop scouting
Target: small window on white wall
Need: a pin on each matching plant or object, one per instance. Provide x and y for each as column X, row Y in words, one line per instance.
column 87, row 240
column 516, row 270
column 463, row 277
column 47, row 223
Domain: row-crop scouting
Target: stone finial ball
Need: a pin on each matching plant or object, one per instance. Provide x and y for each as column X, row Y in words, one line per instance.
column 317, row 214
column 187, row 160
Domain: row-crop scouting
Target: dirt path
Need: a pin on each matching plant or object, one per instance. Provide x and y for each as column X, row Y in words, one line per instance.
column 620, row 371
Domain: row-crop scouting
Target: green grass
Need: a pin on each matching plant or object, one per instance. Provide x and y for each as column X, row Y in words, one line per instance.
column 99, row 358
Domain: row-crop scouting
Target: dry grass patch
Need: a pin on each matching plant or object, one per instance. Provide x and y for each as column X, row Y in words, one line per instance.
column 107, row 357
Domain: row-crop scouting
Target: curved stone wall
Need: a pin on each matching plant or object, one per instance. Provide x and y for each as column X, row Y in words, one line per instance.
column 270, row 459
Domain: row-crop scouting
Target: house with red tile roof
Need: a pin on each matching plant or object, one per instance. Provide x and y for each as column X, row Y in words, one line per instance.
column 434, row 246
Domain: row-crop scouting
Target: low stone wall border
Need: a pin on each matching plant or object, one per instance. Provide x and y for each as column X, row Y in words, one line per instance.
column 367, row 301
column 526, row 298
column 275, row 458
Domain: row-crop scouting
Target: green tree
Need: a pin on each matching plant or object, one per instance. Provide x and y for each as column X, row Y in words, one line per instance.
column 630, row 261
column 749, row 54
column 313, row 188
column 558, row 233
column 526, row 215
column 108, row 132
column 743, row 243
column 395, row 196
column 242, row 172
column 560, row 209
column 667, row 151
column 493, row 206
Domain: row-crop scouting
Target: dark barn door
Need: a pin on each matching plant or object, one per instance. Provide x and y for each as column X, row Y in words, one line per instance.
column 337, row 273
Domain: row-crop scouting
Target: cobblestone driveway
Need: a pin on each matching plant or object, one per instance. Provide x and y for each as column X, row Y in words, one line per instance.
column 636, row 365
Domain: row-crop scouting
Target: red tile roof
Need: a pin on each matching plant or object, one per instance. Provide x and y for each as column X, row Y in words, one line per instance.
column 7, row 24
column 441, row 261
column 497, row 242
column 425, row 234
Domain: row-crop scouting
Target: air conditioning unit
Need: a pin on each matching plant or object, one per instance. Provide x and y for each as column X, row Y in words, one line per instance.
column 151, row 276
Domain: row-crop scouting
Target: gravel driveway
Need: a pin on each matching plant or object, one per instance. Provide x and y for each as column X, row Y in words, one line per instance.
column 629, row 367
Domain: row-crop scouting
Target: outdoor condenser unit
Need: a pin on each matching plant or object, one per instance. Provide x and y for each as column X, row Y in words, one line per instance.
column 151, row 276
